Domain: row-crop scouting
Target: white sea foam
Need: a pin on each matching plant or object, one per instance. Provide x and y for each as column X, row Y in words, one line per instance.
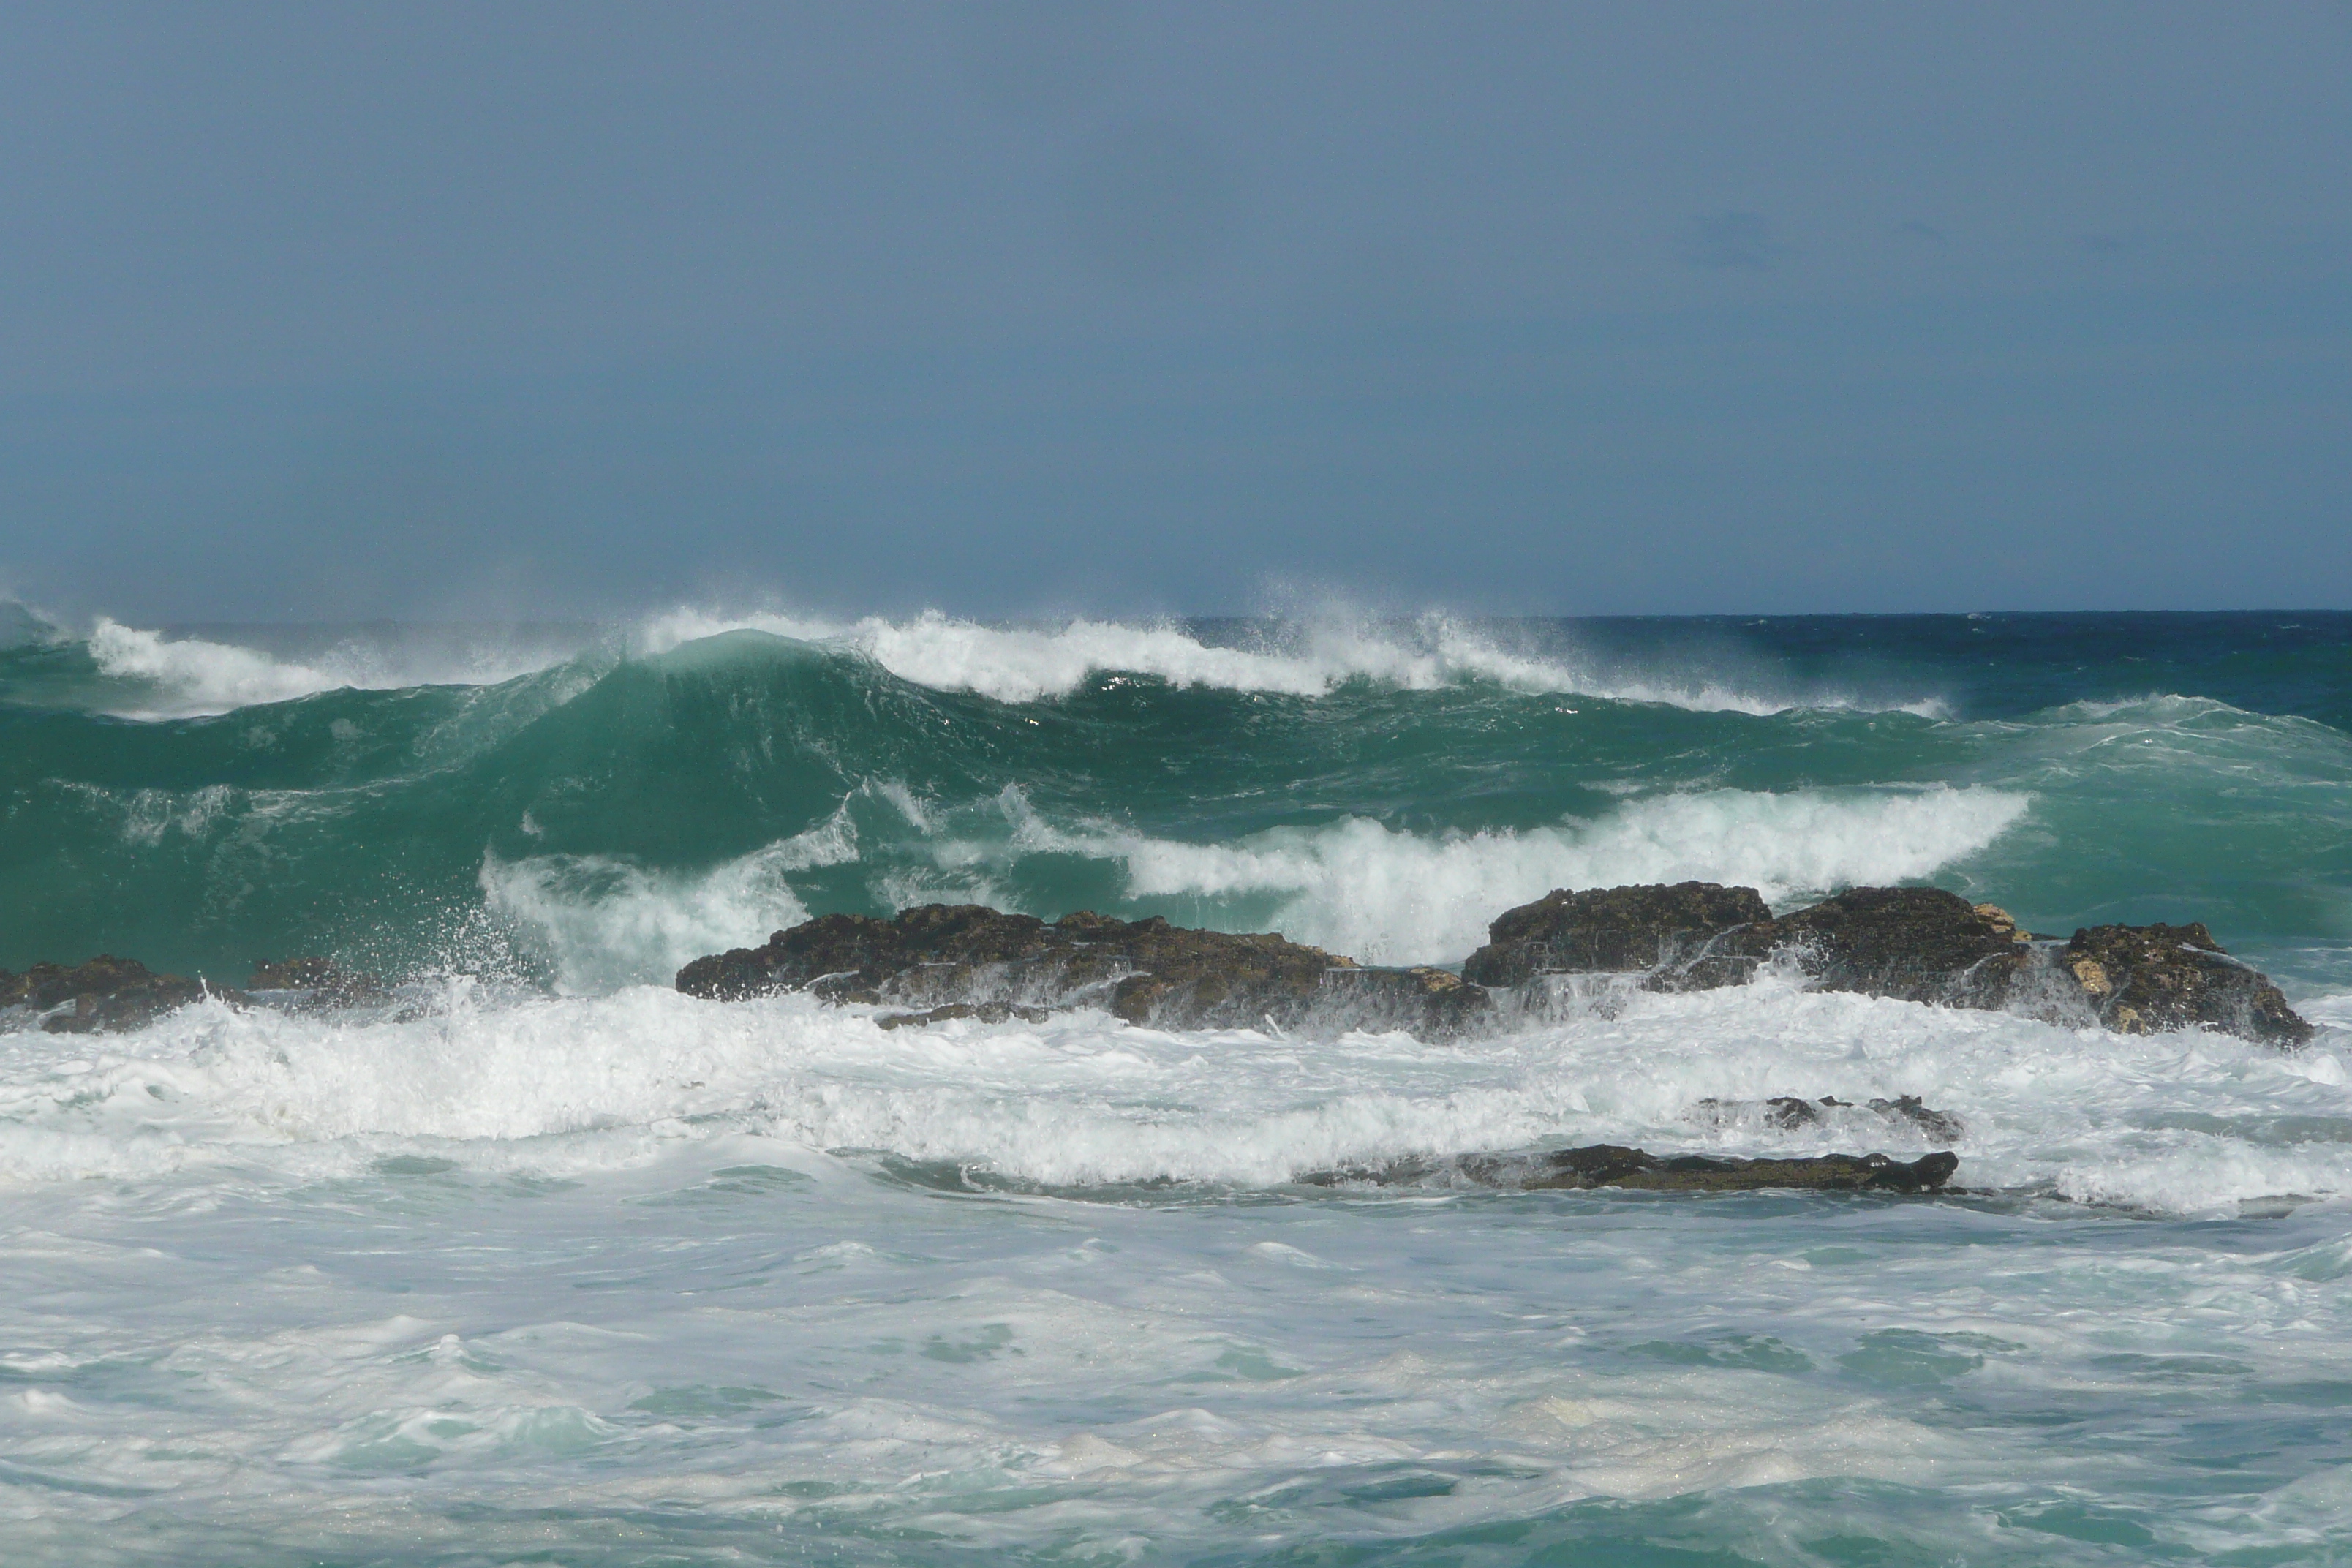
column 2181, row 1124
column 1014, row 664
column 600, row 923
column 469, row 1284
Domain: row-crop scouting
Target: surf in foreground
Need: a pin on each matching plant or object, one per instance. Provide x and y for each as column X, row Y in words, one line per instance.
column 528, row 1255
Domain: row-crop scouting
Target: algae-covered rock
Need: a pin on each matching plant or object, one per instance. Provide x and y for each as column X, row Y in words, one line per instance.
column 2145, row 979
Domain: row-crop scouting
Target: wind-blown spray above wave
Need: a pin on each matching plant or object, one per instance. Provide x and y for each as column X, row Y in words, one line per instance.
column 160, row 676
column 191, row 676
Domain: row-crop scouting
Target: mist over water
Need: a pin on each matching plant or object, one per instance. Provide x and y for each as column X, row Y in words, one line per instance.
column 546, row 1258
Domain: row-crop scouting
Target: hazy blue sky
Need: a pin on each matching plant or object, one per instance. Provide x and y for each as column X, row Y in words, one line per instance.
column 326, row 310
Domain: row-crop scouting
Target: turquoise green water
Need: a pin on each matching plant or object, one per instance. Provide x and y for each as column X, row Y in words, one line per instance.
column 547, row 1264
column 2200, row 776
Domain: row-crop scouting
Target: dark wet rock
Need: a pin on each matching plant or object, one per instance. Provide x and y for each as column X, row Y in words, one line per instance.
column 2148, row 979
column 1615, row 1165
column 1938, row 1124
column 1146, row 972
column 1664, row 930
column 1915, row 945
column 1787, row 1113
column 1919, row 944
column 986, row 1012
column 108, row 994
column 317, row 983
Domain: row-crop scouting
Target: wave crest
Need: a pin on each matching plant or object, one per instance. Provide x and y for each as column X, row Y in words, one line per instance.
column 1015, row 664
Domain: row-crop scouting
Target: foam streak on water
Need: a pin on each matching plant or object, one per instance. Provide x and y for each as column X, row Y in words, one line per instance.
column 646, row 1278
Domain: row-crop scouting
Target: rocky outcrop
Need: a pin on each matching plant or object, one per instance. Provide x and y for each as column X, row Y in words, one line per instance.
column 1615, row 1165
column 1916, row 944
column 1146, row 972
column 2146, row 979
column 108, row 994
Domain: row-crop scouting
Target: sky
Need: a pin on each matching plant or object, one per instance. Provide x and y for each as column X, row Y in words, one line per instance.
column 1036, row 307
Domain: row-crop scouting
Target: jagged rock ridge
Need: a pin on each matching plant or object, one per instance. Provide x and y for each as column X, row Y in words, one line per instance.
column 1146, row 972
column 1917, row 944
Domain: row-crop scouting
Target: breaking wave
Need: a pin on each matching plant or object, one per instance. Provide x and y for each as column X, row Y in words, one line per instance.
column 1012, row 664
column 2183, row 1124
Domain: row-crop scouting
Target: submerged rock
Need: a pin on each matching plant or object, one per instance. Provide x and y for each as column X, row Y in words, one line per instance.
column 986, row 1012
column 317, row 983
column 1915, row 944
column 1615, row 1165
column 1146, row 972
column 2145, row 979
column 109, row 995
column 1787, row 1113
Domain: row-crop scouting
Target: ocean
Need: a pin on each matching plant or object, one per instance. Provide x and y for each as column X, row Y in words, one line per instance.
column 542, row 1262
